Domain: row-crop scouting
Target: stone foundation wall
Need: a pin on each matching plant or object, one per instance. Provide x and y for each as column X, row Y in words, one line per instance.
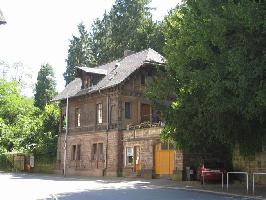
column 250, row 164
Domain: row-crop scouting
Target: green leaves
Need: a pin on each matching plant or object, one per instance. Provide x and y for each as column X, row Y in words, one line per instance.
column 23, row 127
column 45, row 87
column 216, row 53
column 79, row 53
column 128, row 26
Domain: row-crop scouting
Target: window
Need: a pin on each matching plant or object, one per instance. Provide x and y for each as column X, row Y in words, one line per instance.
column 76, row 152
column 127, row 110
column 97, row 151
column 145, row 112
column 77, row 117
column 73, row 152
column 129, row 156
column 87, row 82
column 100, row 151
column 63, row 122
column 94, row 152
column 142, row 80
column 99, row 113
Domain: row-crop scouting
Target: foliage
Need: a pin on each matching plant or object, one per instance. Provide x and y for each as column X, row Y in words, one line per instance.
column 17, row 72
column 45, row 86
column 215, row 74
column 79, row 53
column 47, row 141
column 23, row 127
column 128, row 26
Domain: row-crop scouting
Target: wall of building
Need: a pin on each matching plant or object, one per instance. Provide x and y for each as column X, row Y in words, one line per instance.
column 87, row 166
column 88, row 114
column 146, row 139
column 112, row 132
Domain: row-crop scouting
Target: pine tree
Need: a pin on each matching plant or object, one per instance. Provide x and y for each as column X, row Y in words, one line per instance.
column 45, row 86
column 79, row 53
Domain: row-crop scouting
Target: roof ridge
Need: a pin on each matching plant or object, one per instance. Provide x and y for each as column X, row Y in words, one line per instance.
column 123, row 57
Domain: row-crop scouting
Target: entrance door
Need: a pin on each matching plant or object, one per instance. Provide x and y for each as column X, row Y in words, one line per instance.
column 137, row 163
column 145, row 112
column 164, row 161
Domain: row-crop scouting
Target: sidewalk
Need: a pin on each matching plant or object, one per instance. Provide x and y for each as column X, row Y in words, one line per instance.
column 236, row 189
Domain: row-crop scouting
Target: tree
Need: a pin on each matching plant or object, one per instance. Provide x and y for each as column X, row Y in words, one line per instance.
column 79, row 54
column 25, row 128
column 17, row 117
column 215, row 74
column 46, row 136
column 45, row 86
column 128, row 25
column 17, row 72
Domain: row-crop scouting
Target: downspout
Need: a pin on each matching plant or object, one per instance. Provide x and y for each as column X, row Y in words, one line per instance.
column 107, row 133
column 65, row 141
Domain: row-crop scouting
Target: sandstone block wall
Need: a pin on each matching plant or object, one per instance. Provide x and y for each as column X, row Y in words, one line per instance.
column 251, row 164
column 87, row 166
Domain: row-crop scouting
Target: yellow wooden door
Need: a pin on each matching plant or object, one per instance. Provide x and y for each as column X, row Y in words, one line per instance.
column 164, row 161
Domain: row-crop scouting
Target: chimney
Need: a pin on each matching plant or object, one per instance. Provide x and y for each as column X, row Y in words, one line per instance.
column 2, row 19
column 128, row 52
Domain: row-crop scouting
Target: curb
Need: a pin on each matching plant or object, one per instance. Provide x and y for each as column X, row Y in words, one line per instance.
column 216, row 192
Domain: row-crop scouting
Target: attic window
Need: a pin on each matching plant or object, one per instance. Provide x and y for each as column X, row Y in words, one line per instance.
column 89, row 82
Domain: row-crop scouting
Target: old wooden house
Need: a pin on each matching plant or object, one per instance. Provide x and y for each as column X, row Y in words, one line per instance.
column 112, row 128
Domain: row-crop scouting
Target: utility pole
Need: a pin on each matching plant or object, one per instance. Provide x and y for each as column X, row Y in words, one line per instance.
column 65, row 141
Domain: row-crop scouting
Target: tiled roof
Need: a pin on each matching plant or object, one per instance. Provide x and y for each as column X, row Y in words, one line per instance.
column 117, row 72
column 70, row 90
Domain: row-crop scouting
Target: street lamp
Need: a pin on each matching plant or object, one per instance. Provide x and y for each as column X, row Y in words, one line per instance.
column 2, row 19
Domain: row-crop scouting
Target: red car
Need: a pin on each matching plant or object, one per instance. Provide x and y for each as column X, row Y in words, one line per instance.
column 212, row 170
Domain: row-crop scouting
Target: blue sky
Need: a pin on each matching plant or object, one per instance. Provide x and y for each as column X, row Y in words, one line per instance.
column 38, row 31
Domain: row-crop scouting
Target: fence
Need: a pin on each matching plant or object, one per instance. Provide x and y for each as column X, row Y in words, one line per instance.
column 253, row 179
column 245, row 173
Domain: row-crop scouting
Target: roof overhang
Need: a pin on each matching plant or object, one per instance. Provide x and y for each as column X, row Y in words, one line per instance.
column 93, row 70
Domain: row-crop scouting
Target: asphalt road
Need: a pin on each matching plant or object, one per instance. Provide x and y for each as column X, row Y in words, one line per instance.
column 14, row 186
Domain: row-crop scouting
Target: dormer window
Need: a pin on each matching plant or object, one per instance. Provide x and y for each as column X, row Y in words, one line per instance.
column 90, row 76
column 88, row 82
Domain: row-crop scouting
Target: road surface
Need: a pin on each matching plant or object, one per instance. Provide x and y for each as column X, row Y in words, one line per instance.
column 15, row 186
